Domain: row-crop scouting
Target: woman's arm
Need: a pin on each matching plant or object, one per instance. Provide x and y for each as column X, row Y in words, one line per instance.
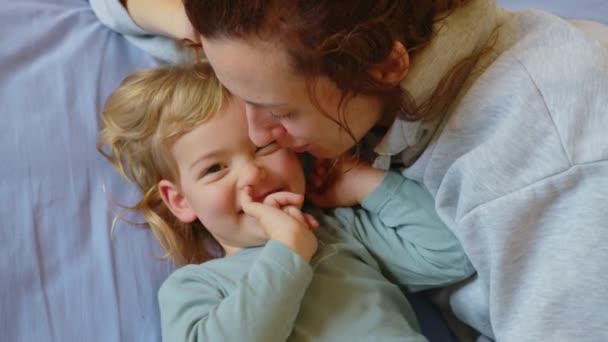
column 144, row 33
column 162, row 17
column 197, row 303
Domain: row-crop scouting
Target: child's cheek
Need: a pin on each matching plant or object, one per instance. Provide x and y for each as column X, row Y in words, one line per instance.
column 223, row 200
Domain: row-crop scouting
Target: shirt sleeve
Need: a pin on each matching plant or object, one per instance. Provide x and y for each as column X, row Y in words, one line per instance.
column 398, row 224
column 262, row 306
column 113, row 15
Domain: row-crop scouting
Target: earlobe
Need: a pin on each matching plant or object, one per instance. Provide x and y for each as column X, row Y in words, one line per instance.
column 394, row 68
column 176, row 202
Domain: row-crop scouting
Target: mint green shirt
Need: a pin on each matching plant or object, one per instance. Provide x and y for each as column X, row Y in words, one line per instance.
column 270, row 294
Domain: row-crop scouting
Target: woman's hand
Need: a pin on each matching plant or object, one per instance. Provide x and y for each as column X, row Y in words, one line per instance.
column 282, row 219
column 163, row 17
column 343, row 183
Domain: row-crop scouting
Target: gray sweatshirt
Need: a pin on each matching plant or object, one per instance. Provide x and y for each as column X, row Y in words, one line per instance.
column 518, row 167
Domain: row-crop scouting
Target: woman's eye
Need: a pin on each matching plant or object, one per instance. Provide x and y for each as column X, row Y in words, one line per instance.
column 281, row 116
column 270, row 148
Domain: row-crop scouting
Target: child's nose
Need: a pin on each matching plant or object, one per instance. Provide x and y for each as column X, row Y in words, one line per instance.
column 252, row 175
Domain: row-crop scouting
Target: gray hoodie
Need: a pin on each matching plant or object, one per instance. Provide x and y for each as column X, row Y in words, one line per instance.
column 518, row 167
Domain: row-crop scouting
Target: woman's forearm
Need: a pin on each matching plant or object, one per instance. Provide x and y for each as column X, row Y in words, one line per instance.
column 163, row 17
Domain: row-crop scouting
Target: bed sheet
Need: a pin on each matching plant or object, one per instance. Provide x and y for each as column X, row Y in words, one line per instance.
column 63, row 276
column 596, row 10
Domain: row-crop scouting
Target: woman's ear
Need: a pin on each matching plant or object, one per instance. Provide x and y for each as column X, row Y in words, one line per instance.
column 176, row 202
column 394, row 68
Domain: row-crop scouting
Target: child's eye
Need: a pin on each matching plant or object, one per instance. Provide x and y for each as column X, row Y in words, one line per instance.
column 215, row 168
column 212, row 170
column 268, row 149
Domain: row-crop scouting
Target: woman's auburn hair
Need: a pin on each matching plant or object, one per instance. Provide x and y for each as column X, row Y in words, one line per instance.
column 340, row 39
column 141, row 119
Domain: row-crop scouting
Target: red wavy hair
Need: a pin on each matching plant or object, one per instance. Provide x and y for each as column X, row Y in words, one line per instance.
column 340, row 39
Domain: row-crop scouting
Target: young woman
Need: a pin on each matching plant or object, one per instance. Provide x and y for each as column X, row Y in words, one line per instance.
column 501, row 115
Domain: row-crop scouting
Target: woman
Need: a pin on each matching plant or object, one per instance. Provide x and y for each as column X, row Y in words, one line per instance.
column 501, row 115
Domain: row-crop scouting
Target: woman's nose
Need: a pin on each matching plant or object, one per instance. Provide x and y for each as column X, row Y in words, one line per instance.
column 259, row 125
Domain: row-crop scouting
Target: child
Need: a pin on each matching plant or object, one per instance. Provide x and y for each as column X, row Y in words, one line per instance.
column 284, row 274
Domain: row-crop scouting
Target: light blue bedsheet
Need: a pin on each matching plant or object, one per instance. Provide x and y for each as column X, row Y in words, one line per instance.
column 596, row 10
column 63, row 277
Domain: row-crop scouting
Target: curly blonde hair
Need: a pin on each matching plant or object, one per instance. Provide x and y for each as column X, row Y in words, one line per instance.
column 141, row 119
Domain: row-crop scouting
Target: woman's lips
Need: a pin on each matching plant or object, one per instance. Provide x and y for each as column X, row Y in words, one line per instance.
column 299, row 149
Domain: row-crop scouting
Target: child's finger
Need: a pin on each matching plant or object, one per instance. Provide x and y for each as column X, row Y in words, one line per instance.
column 254, row 209
column 283, row 199
column 311, row 221
column 295, row 213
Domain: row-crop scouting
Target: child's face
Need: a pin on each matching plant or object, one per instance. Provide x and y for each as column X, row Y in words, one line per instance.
column 216, row 161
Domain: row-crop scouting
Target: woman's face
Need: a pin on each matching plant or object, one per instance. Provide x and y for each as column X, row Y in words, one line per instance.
column 277, row 102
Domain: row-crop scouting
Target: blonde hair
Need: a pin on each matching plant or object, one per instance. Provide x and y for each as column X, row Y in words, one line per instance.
column 142, row 118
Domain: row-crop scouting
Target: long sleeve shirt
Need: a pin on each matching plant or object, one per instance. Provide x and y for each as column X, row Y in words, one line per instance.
column 269, row 293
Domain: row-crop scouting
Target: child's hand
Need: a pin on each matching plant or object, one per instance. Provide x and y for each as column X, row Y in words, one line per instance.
column 282, row 219
column 343, row 185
